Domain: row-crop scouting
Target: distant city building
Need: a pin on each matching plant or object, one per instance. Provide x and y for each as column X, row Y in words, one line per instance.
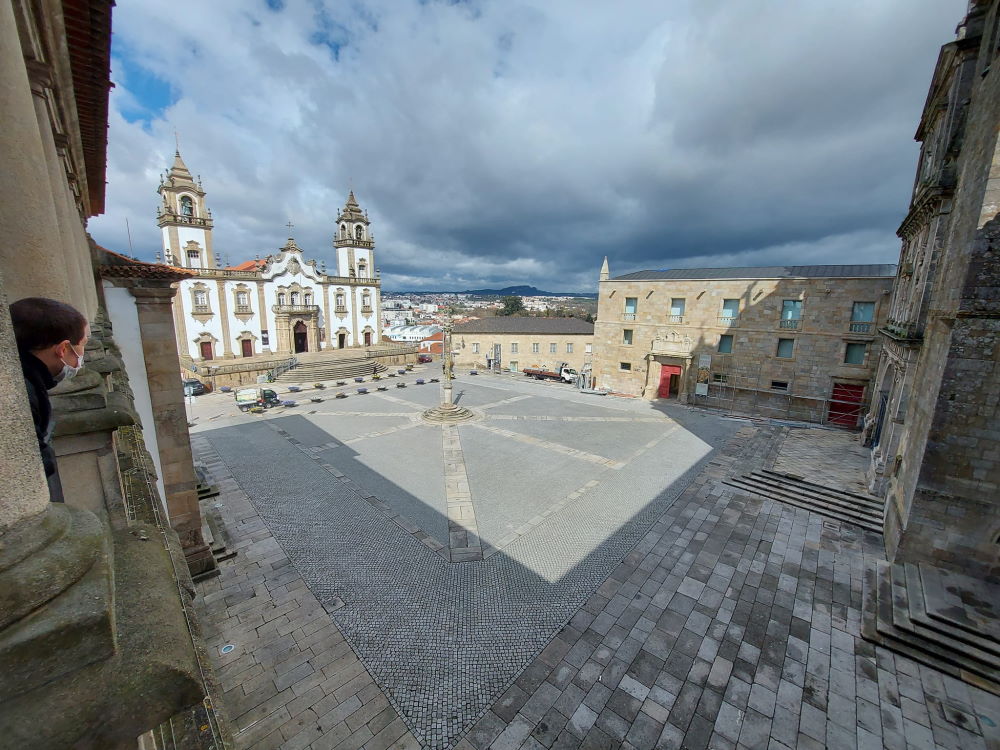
column 282, row 304
column 516, row 343
column 411, row 334
column 785, row 341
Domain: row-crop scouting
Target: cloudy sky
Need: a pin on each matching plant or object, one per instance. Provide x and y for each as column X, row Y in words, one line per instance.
column 517, row 142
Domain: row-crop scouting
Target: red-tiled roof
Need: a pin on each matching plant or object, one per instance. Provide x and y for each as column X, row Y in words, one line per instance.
column 88, row 37
column 250, row 265
column 117, row 266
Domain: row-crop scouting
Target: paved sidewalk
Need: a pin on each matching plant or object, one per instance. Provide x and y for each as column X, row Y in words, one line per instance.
column 734, row 624
column 291, row 680
column 834, row 458
column 701, row 617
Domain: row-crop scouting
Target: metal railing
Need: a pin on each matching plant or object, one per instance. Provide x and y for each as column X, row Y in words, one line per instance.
column 729, row 321
column 628, row 316
column 790, row 324
column 861, row 326
column 288, row 364
column 675, row 318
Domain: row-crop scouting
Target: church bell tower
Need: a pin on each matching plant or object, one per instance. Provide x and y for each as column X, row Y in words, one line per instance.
column 354, row 242
column 183, row 218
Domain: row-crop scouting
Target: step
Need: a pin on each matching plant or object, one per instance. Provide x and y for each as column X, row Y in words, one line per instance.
column 800, row 480
column 901, row 619
column 976, row 609
column 830, row 497
column 841, row 514
column 918, row 614
column 879, row 626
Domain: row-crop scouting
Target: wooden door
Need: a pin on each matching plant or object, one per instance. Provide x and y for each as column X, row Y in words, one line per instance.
column 247, row 346
column 368, row 338
column 670, row 377
column 845, row 404
column 341, row 340
column 206, row 350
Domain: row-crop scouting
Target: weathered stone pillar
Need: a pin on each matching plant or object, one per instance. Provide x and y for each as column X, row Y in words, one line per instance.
column 227, row 343
column 31, row 241
column 156, row 328
column 23, row 490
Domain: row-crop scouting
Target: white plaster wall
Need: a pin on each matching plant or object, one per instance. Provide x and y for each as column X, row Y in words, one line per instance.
column 195, row 327
column 186, row 234
column 125, row 324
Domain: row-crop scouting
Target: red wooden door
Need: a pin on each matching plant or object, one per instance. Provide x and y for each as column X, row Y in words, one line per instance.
column 247, row 345
column 670, row 375
column 206, row 350
column 845, row 404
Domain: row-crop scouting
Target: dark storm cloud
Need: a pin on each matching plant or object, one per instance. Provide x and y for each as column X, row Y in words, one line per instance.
column 497, row 143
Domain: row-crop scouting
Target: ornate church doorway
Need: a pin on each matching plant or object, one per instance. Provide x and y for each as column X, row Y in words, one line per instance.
column 341, row 340
column 368, row 338
column 301, row 338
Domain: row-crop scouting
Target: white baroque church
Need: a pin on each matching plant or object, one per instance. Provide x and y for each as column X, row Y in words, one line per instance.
column 280, row 305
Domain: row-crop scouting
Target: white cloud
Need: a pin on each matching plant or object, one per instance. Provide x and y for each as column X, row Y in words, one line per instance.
column 512, row 142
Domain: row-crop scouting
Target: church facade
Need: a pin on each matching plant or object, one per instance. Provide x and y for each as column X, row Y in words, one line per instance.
column 280, row 305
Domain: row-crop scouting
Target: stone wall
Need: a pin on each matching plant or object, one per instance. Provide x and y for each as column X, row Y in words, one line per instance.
column 743, row 378
column 943, row 497
column 466, row 345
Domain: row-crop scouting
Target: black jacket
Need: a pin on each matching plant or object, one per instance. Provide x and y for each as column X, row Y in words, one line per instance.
column 38, row 381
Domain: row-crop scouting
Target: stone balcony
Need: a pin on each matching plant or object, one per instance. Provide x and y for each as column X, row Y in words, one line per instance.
column 295, row 309
column 724, row 321
column 352, row 242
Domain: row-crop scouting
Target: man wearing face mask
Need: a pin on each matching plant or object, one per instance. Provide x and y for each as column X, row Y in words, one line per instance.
column 51, row 336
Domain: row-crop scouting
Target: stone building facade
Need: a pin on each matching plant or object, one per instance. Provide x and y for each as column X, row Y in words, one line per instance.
column 99, row 641
column 936, row 443
column 277, row 306
column 788, row 341
column 512, row 343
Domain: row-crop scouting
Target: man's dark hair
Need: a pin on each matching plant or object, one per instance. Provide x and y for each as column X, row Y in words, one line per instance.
column 40, row 322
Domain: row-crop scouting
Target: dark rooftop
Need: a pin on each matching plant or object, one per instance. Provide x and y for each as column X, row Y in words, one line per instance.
column 527, row 325
column 875, row 270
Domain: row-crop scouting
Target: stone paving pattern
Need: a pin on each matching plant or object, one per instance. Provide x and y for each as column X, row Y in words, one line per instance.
column 732, row 621
column 806, row 452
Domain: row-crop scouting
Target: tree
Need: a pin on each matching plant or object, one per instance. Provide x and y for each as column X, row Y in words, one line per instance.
column 511, row 306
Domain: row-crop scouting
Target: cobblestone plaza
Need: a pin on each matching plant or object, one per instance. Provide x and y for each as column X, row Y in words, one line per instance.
column 563, row 571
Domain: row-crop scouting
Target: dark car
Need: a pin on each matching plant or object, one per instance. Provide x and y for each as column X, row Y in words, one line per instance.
column 193, row 387
column 424, row 358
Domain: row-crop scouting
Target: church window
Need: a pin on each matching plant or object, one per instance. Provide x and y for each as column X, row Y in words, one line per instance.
column 201, row 298
column 362, row 268
column 265, row 338
column 366, row 301
column 343, row 230
column 295, row 298
column 187, row 206
column 359, row 232
column 308, row 299
column 281, row 298
column 243, row 299
column 341, row 300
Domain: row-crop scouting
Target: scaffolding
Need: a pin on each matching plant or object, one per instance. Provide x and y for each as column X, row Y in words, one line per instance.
column 754, row 387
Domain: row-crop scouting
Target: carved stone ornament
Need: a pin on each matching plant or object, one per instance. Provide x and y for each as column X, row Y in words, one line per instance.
column 673, row 342
column 293, row 266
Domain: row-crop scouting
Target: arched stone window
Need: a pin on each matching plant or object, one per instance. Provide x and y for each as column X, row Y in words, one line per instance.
column 366, row 301
column 362, row 268
column 187, row 206
column 295, row 298
column 201, row 302
column 359, row 232
column 343, row 231
column 281, row 298
column 307, row 299
column 340, row 301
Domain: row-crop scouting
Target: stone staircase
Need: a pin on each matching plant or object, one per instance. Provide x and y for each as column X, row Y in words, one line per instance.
column 339, row 368
column 851, row 507
column 942, row 619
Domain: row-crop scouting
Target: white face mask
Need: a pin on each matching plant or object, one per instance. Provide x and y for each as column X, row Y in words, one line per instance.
column 68, row 371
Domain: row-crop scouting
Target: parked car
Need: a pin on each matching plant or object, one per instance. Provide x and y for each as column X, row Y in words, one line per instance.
column 193, row 387
column 424, row 358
